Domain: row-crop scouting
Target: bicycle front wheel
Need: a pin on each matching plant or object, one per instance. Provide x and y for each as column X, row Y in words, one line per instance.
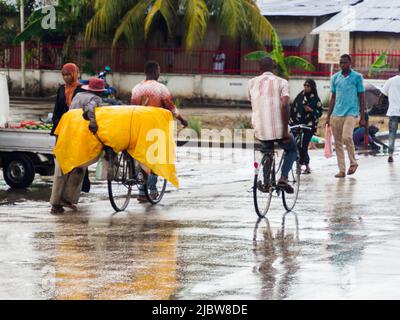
column 289, row 199
column 263, row 186
column 154, row 188
column 120, row 181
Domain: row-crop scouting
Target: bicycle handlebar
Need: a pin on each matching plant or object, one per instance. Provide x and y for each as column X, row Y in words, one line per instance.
column 300, row 126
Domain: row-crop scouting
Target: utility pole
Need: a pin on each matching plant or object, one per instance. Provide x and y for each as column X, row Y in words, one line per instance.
column 22, row 16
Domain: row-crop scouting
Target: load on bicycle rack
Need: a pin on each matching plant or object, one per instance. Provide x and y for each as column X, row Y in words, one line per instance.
column 140, row 149
column 265, row 186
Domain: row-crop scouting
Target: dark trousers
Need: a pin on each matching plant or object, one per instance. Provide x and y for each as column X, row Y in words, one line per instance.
column 304, row 157
column 290, row 153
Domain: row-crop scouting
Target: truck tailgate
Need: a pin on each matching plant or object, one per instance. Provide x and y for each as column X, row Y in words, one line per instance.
column 23, row 140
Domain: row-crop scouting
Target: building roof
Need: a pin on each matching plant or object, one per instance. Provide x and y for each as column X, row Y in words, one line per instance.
column 367, row 16
column 313, row 8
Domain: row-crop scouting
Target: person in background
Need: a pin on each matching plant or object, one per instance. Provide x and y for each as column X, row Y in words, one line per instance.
column 391, row 89
column 89, row 99
column 66, row 92
column 219, row 61
column 152, row 93
column 373, row 142
column 269, row 96
column 348, row 100
column 67, row 188
column 306, row 109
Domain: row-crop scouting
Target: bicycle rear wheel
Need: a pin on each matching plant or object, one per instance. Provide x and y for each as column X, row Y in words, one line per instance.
column 154, row 188
column 120, row 181
column 289, row 199
column 263, row 185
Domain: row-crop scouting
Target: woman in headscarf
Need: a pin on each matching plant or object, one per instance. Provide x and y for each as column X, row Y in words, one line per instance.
column 66, row 92
column 66, row 188
column 306, row 109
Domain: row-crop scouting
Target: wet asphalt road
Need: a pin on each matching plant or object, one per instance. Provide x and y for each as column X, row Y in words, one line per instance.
column 204, row 242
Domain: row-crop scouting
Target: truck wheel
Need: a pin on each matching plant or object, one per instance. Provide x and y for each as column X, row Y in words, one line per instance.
column 18, row 171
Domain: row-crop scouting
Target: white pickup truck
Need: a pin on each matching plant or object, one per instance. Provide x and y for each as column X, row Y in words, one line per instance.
column 23, row 152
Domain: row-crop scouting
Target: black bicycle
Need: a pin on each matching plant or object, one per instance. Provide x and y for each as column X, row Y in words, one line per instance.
column 265, row 183
column 123, row 173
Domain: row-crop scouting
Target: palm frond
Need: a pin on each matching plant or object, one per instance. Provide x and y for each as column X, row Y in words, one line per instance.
column 33, row 29
column 380, row 61
column 379, row 64
column 258, row 55
column 231, row 16
column 107, row 14
column 196, row 17
column 299, row 63
column 256, row 25
column 132, row 23
column 163, row 7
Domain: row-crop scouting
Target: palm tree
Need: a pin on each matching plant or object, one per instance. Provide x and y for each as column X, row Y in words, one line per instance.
column 72, row 17
column 138, row 20
column 281, row 61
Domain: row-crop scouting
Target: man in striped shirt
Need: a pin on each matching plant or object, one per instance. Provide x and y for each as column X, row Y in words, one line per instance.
column 269, row 96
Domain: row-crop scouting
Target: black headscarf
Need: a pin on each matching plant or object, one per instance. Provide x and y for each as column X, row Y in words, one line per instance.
column 313, row 86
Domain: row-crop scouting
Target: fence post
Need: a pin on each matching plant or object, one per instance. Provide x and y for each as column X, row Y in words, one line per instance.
column 200, row 61
column 373, row 57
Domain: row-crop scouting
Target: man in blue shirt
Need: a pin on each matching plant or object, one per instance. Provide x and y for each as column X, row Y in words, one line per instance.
column 348, row 100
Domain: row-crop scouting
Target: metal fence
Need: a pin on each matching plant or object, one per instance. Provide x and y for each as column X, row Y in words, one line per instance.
column 45, row 56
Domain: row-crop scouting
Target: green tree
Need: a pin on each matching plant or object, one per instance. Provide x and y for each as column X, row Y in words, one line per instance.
column 7, row 29
column 138, row 20
column 282, row 62
column 71, row 19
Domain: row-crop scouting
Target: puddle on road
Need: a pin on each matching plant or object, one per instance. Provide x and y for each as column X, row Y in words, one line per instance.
column 202, row 242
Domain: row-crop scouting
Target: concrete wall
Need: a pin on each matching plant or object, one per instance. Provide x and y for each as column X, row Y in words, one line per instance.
column 198, row 87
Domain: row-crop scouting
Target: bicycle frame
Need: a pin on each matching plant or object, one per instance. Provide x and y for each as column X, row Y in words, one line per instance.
column 270, row 186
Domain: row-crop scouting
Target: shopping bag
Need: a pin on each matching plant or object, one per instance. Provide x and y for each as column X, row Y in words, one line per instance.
column 102, row 169
column 328, row 141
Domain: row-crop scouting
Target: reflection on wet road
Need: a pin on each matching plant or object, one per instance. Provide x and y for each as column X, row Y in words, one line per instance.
column 204, row 241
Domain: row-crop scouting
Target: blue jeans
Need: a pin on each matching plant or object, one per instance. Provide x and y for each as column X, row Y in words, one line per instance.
column 290, row 152
column 151, row 182
column 393, row 126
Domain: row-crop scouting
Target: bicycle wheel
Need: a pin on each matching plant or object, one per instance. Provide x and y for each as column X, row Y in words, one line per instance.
column 154, row 188
column 289, row 199
column 120, row 181
column 263, row 185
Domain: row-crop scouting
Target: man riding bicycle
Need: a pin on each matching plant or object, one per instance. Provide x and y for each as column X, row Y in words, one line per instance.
column 269, row 96
column 151, row 92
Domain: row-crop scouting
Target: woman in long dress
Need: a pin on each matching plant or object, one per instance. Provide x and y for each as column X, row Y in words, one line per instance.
column 66, row 188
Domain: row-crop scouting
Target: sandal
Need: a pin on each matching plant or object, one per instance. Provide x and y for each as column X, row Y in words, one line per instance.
column 340, row 175
column 142, row 199
column 262, row 187
column 307, row 171
column 352, row 169
column 70, row 206
column 57, row 209
column 285, row 186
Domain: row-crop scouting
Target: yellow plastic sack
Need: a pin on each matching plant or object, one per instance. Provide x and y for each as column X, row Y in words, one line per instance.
column 147, row 133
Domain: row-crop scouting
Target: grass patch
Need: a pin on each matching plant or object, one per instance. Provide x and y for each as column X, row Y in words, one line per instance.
column 243, row 122
column 195, row 124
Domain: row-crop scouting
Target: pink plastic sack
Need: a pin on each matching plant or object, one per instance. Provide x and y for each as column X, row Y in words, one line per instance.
column 328, row 141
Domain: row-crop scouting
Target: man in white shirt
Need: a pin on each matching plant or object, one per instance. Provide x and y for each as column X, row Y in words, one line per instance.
column 269, row 97
column 219, row 61
column 391, row 89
